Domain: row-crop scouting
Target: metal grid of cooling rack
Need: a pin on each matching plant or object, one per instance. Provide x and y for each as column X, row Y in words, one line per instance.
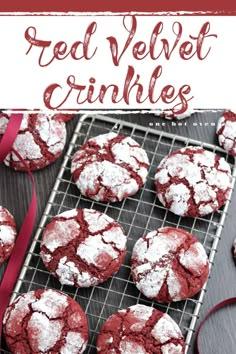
column 138, row 215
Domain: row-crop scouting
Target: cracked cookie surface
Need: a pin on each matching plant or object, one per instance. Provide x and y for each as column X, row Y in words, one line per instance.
column 110, row 167
column 40, row 140
column 193, row 181
column 47, row 322
column 7, row 234
column 169, row 264
column 83, row 247
column 140, row 329
column 226, row 131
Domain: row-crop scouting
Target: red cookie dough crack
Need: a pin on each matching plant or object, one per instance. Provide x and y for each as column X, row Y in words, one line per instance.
column 226, row 131
column 110, row 167
column 7, row 234
column 83, row 247
column 45, row 321
column 193, row 182
column 140, row 329
column 169, row 264
column 40, row 140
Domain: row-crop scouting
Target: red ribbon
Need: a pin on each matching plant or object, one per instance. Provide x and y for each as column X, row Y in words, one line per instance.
column 226, row 302
column 15, row 262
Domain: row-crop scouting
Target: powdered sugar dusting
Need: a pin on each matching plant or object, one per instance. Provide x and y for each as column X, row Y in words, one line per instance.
column 69, row 274
column 13, row 317
column 96, row 252
column 150, row 284
column 111, row 167
column 178, row 195
column 154, row 261
column 75, row 344
column 174, row 285
column 52, row 303
column 3, row 124
column 197, row 253
column 127, row 151
column 140, row 329
column 60, row 234
column 51, row 132
column 128, row 347
column 7, row 235
column 193, row 181
column 44, row 333
column 96, row 221
column 112, row 177
column 27, row 147
column 45, row 321
column 142, row 314
column 226, row 130
column 69, row 214
column 165, row 329
column 171, row 348
column 93, row 248
column 103, row 139
column 40, row 140
column 115, row 235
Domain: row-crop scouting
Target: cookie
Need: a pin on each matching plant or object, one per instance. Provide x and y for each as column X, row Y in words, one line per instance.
column 7, row 234
column 83, row 247
column 45, row 321
column 226, row 131
column 140, row 329
column 110, row 167
column 169, row 264
column 40, row 141
column 193, row 182
column 64, row 117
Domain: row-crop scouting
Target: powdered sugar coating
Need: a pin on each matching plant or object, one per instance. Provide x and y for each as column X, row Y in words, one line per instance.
column 7, row 234
column 83, row 247
column 169, row 264
column 39, row 327
column 40, row 141
column 40, row 322
column 193, row 181
column 63, row 117
column 110, row 167
column 226, row 131
column 74, row 344
column 138, row 329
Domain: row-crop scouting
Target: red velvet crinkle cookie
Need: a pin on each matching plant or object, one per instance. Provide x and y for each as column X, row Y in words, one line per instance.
column 110, row 167
column 45, row 321
column 40, row 141
column 7, row 234
column 193, row 181
column 64, row 117
column 169, row 264
column 226, row 131
column 140, row 329
column 83, row 247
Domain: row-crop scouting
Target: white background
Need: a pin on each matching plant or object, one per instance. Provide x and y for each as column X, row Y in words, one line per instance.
column 23, row 81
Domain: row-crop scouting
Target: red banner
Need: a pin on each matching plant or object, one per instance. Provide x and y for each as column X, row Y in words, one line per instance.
column 228, row 7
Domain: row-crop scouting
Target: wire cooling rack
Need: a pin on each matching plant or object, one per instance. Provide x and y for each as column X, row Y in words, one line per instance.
column 138, row 215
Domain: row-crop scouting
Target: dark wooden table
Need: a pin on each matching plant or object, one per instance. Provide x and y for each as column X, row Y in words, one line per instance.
column 218, row 336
